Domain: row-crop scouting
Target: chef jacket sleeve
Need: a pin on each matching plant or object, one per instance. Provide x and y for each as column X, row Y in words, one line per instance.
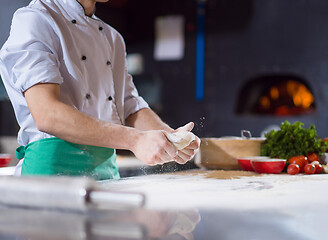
column 132, row 101
column 30, row 53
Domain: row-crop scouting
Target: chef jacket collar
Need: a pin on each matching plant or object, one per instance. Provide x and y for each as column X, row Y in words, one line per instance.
column 77, row 8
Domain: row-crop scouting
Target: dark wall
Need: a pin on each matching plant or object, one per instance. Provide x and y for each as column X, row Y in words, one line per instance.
column 135, row 22
column 244, row 39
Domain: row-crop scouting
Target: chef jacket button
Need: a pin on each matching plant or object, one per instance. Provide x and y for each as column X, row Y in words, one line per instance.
column 74, row 21
column 84, row 58
column 108, row 63
column 100, row 28
column 110, row 98
column 87, row 96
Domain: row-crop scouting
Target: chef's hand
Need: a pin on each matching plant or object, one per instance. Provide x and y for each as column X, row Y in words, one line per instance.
column 153, row 147
column 186, row 154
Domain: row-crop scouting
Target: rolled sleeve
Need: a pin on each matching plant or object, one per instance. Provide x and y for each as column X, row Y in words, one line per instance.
column 133, row 105
column 29, row 53
column 132, row 101
column 38, row 68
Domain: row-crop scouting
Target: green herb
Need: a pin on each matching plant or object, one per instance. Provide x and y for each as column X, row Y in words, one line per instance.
column 292, row 140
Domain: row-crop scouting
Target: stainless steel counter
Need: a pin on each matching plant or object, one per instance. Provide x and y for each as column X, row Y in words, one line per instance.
column 191, row 205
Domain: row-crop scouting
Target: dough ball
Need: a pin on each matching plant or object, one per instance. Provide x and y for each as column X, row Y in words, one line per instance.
column 181, row 139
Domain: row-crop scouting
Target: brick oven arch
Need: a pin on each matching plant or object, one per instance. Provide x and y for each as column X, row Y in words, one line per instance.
column 278, row 95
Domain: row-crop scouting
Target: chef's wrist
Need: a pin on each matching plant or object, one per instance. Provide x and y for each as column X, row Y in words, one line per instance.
column 132, row 138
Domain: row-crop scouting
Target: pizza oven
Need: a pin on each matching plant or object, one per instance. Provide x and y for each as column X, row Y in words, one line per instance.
column 276, row 95
column 266, row 62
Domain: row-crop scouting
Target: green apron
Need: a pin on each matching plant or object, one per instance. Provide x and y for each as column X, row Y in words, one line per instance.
column 54, row 156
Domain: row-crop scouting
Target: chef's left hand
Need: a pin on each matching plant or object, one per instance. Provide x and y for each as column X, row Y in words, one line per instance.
column 186, row 154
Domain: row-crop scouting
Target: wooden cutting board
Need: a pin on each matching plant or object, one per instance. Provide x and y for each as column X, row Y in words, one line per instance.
column 222, row 153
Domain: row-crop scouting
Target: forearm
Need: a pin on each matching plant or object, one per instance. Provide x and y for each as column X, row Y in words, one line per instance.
column 63, row 121
column 146, row 119
column 74, row 126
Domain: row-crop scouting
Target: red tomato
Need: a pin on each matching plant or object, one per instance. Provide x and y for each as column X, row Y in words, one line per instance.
column 318, row 166
column 293, row 169
column 309, row 168
column 312, row 157
column 301, row 161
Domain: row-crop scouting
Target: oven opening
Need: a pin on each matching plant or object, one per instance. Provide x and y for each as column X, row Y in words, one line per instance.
column 280, row 95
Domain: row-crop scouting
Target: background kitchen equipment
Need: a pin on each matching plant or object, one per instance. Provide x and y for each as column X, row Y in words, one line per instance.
column 224, row 152
column 5, row 159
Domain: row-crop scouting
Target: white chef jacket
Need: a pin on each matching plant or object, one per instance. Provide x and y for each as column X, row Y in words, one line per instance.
column 53, row 41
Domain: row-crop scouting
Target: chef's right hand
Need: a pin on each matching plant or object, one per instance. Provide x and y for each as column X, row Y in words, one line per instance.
column 153, row 147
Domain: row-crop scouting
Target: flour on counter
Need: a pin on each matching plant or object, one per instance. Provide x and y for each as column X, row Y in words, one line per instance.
column 197, row 190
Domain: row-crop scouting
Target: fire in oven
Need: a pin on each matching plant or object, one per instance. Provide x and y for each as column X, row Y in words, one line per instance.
column 277, row 95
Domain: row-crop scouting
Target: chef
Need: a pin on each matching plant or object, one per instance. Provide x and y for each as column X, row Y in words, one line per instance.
column 65, row 73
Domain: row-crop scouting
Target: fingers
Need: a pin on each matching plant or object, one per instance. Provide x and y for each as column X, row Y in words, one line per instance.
column 188, row 127
column 165, row 157
column 186, row 154
column 187, row 151
column 182, row 158
column 154, row 148
column 166, row 151
column 169, row 149
column 160, row 159
column 194, row 145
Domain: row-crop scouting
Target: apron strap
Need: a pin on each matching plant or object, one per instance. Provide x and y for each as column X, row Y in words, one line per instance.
column 20, row 152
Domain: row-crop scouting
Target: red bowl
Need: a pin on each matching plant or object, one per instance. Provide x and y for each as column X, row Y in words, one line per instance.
column 269, row 165
column 245, row 162
column 5, row 160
